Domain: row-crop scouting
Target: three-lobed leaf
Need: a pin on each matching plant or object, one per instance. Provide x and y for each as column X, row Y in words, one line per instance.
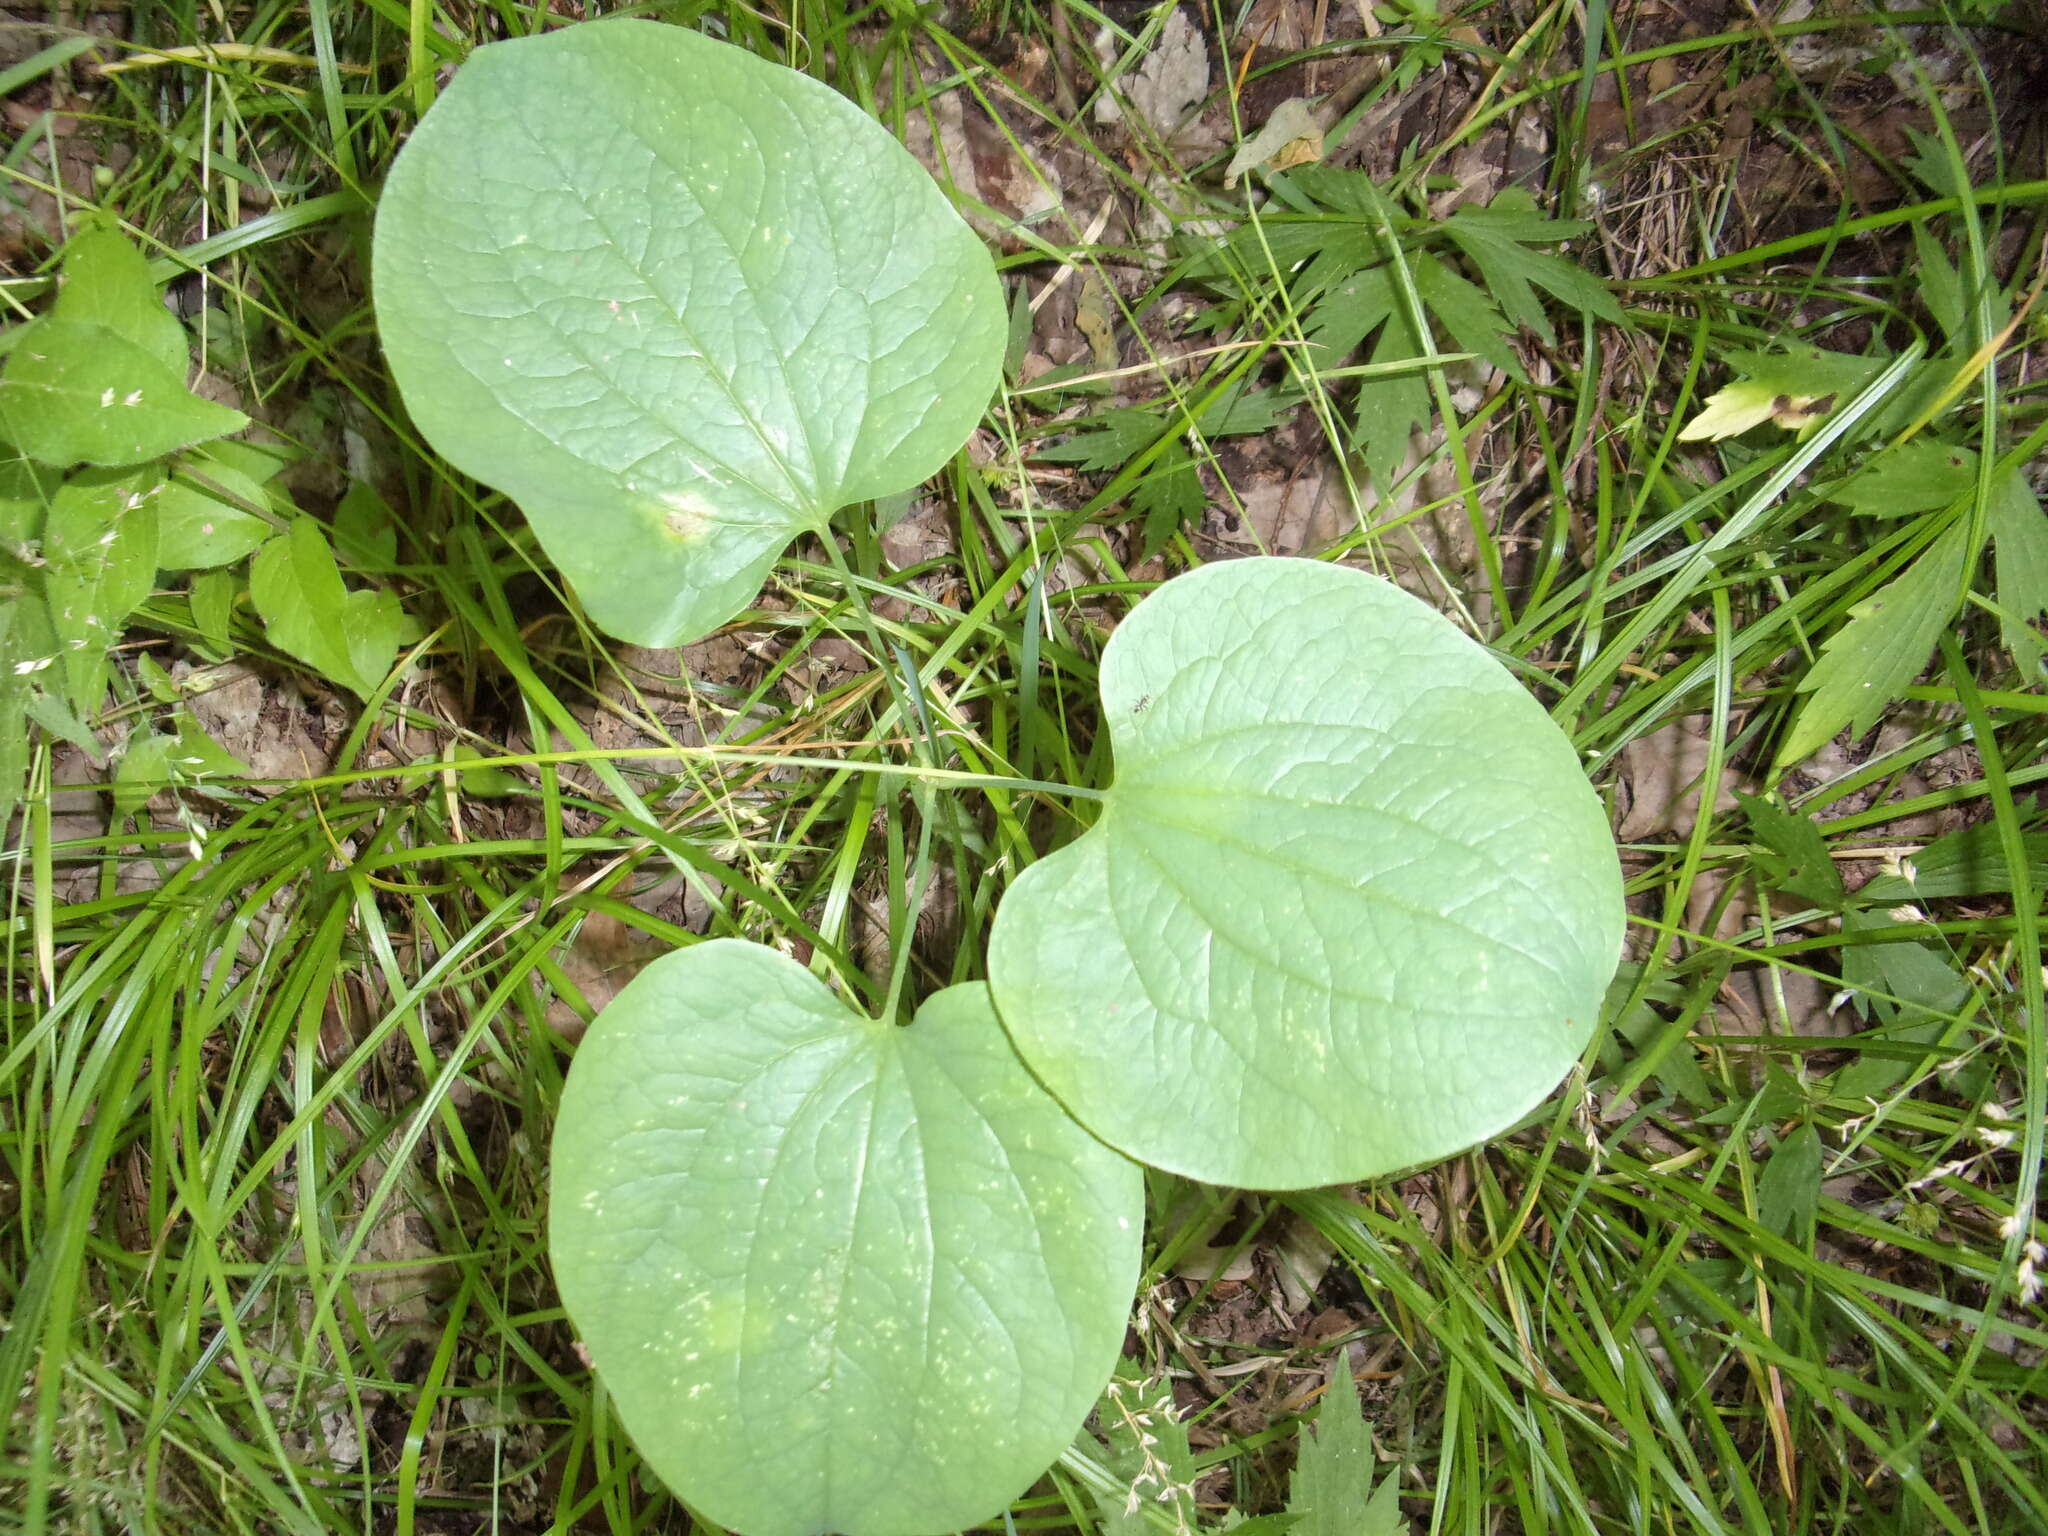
column 680, row 304
column 838, row 1276
column 1351, row 904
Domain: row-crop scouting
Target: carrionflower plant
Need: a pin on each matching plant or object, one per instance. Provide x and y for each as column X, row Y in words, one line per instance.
column 1350, row 903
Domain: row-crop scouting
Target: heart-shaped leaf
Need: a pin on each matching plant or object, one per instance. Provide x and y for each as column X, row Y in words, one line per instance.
column 680, row 304
column 1351, row 903
column 837, row 1276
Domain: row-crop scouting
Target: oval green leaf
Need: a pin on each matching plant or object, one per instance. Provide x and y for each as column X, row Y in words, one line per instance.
column 680, row 304
column 837, row 1276
column 1351, row 903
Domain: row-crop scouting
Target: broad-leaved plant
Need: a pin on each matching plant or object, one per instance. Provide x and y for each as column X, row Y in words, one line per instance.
column 1350, row 904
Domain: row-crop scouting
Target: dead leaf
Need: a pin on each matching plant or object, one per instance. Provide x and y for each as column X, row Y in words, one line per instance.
column 1292, row 136
column 1167, row 87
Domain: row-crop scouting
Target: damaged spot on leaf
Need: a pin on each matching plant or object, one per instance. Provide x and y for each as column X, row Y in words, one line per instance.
column 686, row 517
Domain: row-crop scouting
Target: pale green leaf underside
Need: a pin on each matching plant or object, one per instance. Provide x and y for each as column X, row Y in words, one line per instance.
column 1351, row 904
column 837, row 1276
column 680, row 304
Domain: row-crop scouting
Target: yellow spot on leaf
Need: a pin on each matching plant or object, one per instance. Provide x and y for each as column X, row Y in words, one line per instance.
column 686, row 516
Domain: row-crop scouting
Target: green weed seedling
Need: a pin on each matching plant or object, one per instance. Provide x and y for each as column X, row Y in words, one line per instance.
column 1349, row 905
column 118, row 472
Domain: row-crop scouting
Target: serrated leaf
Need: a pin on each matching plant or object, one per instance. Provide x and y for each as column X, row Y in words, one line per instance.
column 1865, row 664
column 1349, row 313
column 1921, row 475
column 1467, row 313
column 350, row 638
column 1496, row 240
column 1387, row 408
column 1148, row 1453
column 1938, row 284
column 1794, row 856
column 1927, row 987
column 2019, row 539
column 1104, row 441
column 107, row 283
column 99, row 563
column 1788, row 1190
column 1332, row 1487
column 1244, row 410
column 75, row 393
column 198, row 530
column 1350, row 895
column 1167, row 500
column 1352, row 192
column 680, row 304
column 836, row 1275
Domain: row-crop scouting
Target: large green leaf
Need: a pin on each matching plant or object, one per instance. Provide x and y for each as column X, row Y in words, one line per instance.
column 1351, row 903
column 681, row 304
column 837, row 1276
